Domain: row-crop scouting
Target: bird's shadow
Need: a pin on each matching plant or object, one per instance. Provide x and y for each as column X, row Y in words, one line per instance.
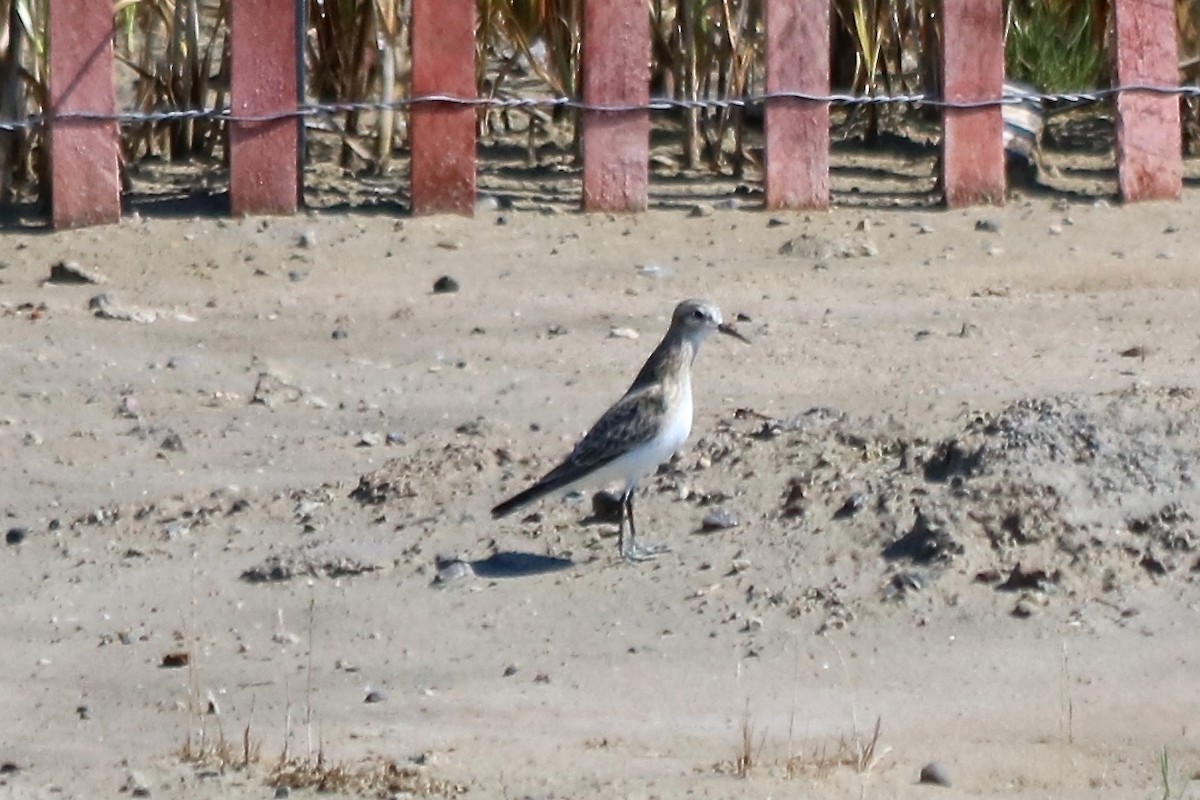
column 513, row 564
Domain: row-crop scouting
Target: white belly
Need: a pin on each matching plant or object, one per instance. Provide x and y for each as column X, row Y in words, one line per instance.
column 633, row 466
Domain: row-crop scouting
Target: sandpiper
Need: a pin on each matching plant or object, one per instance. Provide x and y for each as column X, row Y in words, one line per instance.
column 642, row 430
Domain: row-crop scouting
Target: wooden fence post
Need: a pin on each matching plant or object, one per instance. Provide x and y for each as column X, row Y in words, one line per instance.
column 85, row 183
column 973, row 69
column 264, row 156
column 616, row 71
column 797, row 148
column 1149, row 139
column 443, row 134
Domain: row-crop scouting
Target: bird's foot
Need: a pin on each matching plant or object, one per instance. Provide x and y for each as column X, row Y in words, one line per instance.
column 636, row 553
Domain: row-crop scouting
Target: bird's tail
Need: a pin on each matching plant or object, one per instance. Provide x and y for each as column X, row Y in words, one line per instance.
column 535, row 492
column 555, row 480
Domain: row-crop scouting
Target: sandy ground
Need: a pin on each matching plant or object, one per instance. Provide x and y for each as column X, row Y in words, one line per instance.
column 959, row 453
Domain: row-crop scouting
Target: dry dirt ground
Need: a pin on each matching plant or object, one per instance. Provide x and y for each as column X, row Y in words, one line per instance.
column 247, row 493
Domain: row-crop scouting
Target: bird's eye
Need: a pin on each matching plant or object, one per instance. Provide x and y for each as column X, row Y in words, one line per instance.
column 698, row 313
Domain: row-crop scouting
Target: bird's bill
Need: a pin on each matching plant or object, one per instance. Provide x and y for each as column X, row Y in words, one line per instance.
column 726, row 328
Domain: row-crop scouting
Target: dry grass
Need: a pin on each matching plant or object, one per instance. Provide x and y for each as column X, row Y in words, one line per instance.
column 860, row 754
column 372, row 778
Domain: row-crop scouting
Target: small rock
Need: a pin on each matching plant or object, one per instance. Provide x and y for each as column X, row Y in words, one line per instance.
column 369, row 439
column 15, row 535
column 720, row 519
column 655, row 271
column 282, row 792
column 32, row 438
column 84, row 712
column 502, row 219
column 445, row 285
column 701, row 210
column 453, row 572
column 128, row 406
column 475, row 427
column 136, row 785
column 1024, row 609
column 395, row 438
column 852, row 505
column 623, row 333
column 987, row 225
column 297, row 275
column 510, row 670
column 70, row 272
column 450, row 244
column 606, row 507
column 374, row 696
column 175, row 660
column 776, row 222
column 173, row 442
column 306, row 239
column 935, row 773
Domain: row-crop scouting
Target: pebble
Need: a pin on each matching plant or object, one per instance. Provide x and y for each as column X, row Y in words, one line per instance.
column 852, row 505
column 136, row 785
column 306, row 239
column 70, row 272
column 374, row 696
column 173, row 442
column 1024, row 609
column 369, row 439
column 453, row 572
column 32, row 438
column 445, row 285
column 128, row 406
column 623, row 333
column 777, row 222
column 395, row 438
column 701, row 210
column 720, row 519
column 16, row 535
column 606, row 507
column 987, row 225
column 450, row 244
column 935, row 773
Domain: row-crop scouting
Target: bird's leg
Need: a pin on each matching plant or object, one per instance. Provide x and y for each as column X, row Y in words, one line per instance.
column 634, row 553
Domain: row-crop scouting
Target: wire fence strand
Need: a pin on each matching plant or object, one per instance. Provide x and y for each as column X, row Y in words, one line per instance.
column 753, row 101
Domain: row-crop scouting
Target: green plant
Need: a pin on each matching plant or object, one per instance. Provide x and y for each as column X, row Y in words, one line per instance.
column 1057, row 45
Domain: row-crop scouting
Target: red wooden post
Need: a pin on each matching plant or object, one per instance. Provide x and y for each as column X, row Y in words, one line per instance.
column 797, row 155
column 443, row 134
column 973, row 69
column 85, row 183
column 616, row 71
column 1149, row 139
column 264, row 156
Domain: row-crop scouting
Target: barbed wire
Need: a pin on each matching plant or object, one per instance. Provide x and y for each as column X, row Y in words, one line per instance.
column 753, row 101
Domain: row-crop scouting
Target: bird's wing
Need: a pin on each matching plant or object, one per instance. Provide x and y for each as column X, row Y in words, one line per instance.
column 632, row 420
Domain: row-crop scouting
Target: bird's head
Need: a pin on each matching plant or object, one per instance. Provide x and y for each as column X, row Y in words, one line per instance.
column 699, row 318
